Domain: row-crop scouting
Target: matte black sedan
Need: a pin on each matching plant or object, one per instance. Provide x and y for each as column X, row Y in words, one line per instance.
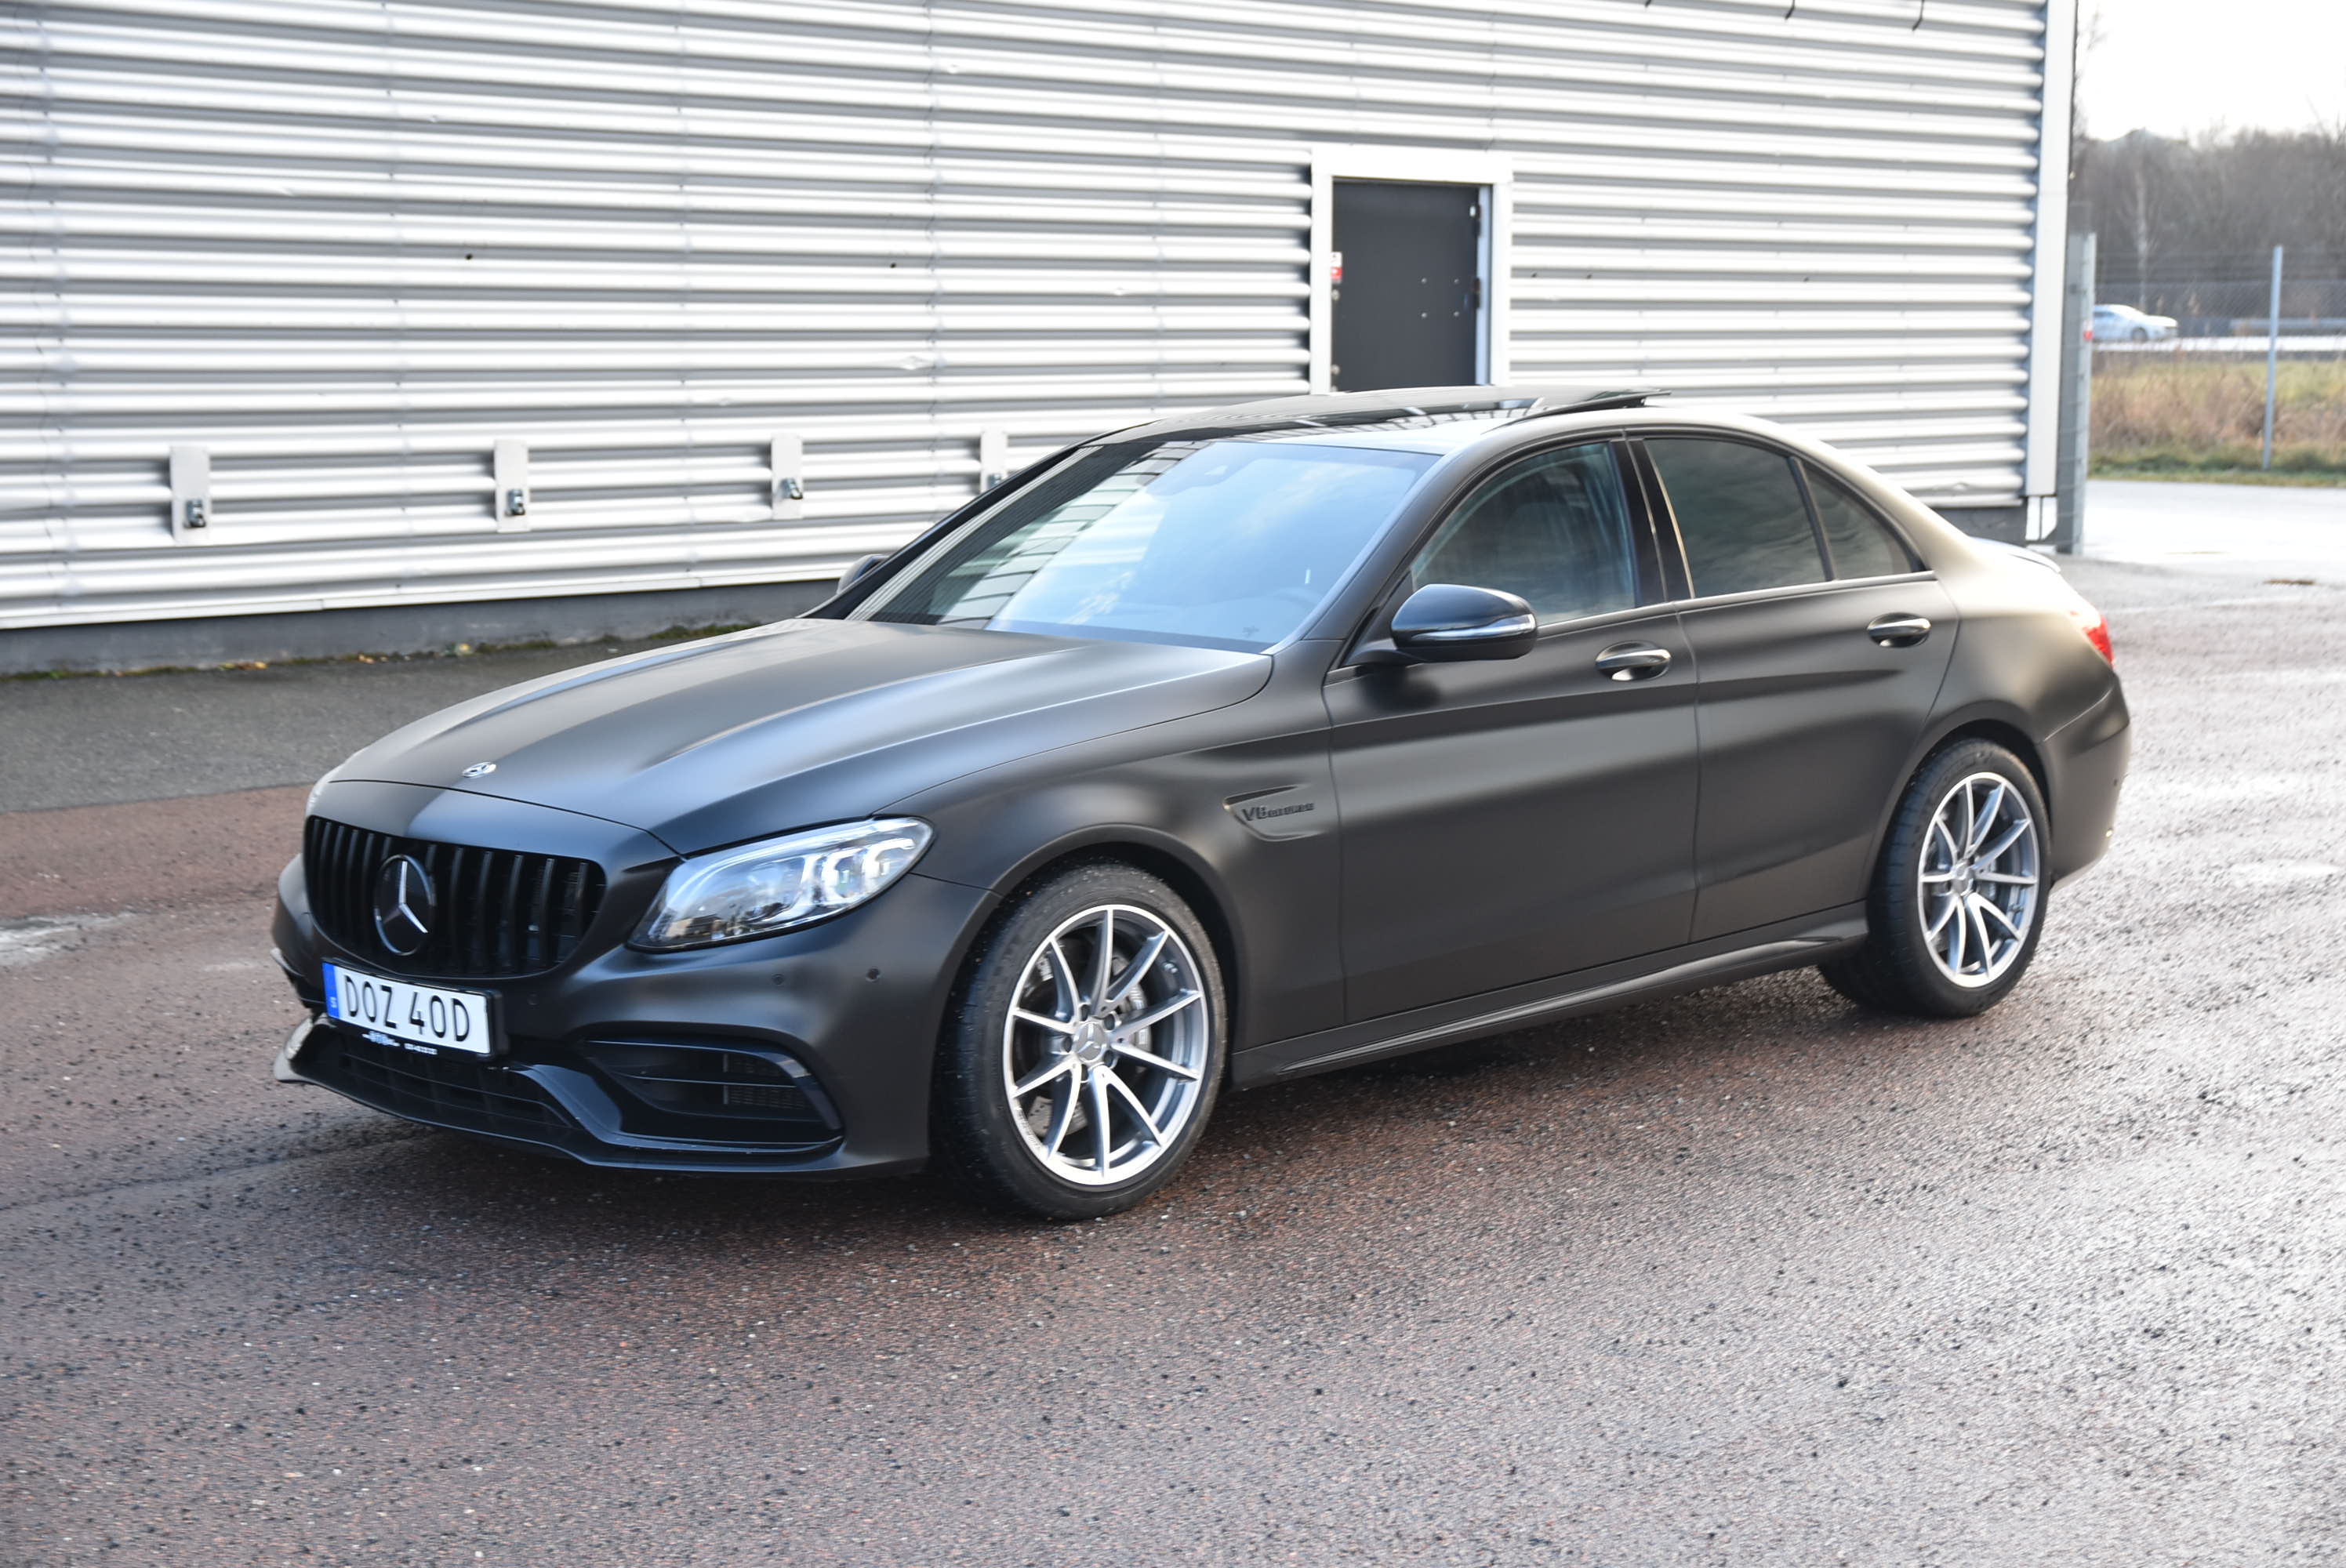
column 1204, row 755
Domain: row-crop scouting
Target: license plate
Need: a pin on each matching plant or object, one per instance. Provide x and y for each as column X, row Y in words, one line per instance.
column 408, row 1014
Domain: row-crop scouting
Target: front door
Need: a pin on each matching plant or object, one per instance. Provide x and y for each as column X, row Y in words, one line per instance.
column 1812, row 703
column 1408, row 294
column 1506, row 820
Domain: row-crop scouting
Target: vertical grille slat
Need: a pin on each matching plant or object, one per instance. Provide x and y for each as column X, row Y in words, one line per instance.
column 499, row 911
column 367, row 854
column 332, row 874
column 348, row 856
column 437, row 861
column 511, row 916
column 542, row 937
column 449, row 939
column 472, row 916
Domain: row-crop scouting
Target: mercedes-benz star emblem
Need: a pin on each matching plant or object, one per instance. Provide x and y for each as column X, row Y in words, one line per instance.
column 480, row 769
column 403, row 905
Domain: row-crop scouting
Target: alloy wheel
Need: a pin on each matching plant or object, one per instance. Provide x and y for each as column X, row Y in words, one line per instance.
column 1104, row 1047
column 1978, row 880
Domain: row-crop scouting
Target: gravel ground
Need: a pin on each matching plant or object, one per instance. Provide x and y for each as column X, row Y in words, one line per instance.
column 1747, row 1277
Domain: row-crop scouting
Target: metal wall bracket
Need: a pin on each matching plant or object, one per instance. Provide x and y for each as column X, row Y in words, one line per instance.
column 993, row 458
column 787, row 466
column 192, row 495
column 513, row 486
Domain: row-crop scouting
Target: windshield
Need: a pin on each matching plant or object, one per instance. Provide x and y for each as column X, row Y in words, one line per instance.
column 1228, row 543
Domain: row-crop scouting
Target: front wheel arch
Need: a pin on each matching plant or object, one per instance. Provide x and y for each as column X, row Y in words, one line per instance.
column 976, row 1135
column 1144, row 852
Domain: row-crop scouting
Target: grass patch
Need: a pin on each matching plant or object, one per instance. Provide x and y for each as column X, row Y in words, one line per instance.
column 2232, row 464
column 693, row 634
column 2198, row 416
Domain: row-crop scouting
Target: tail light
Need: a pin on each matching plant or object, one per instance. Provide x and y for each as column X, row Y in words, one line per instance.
column 2096, row 629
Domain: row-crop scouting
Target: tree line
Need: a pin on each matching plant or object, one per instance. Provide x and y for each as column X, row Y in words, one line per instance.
column 2187, row 228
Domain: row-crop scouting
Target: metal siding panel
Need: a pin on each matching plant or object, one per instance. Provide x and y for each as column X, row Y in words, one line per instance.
column 348, row 247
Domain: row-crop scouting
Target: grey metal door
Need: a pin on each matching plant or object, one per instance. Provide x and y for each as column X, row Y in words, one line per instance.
column 1408, row 301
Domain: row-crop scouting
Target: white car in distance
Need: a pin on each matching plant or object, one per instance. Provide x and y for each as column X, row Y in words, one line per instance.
column 2125, row 324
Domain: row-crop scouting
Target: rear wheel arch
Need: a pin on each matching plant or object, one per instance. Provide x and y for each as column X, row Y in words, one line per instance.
column 2000, row 732
column 1914, row 959
column 1953, row 730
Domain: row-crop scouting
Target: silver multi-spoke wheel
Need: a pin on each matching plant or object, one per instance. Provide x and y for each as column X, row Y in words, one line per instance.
column 1978, row 880
column 1106, row 1046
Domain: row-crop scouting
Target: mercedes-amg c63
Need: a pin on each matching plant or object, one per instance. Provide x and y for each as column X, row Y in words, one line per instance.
column 1210, row 753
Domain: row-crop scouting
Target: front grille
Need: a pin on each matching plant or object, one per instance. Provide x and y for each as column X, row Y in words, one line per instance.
column 446, row 1090
column 497, row 911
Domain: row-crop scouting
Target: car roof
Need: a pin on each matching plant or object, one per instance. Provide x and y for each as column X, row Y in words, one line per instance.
column 1408, row 419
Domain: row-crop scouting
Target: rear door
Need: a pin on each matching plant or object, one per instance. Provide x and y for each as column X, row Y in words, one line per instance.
column 1821, row 646
column 1510, row 819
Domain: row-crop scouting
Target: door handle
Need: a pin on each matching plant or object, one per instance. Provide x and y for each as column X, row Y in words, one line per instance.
column 1898, row 631
column 1632, row 661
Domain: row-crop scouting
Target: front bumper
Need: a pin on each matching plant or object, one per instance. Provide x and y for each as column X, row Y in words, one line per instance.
column 808, row 1053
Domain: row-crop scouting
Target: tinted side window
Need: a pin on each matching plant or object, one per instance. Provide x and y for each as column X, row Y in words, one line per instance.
column 1553, row 528
column 1860, row 545
column 1740, row 513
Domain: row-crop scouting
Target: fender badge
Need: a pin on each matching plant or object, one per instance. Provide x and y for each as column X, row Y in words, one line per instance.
column 480, row 769
column 1283, row 812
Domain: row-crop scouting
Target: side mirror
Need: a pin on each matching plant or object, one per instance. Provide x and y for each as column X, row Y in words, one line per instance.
column 859, row 571
column 1444, row 622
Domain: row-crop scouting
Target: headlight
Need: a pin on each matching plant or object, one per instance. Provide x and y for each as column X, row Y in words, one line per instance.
column 773, row 886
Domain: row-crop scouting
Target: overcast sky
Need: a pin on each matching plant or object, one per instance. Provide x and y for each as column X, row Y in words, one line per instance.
column 2175, row 67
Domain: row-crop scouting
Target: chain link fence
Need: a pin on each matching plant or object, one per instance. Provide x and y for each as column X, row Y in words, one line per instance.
column 2232, row 307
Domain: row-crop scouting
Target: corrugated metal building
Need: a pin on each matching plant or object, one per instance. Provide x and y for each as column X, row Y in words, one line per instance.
column 367, row 304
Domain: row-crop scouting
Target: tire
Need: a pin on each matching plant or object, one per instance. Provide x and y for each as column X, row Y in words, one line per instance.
column 2142, row 334
column 1915, row 959
column 1147, row 1069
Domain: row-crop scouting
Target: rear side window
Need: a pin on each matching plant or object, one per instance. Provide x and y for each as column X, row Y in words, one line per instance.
column 1553, row 528
column 1740, row 515
column 1859, row 542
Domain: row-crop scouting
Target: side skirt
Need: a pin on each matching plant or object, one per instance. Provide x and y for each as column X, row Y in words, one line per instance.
column 1788, row 944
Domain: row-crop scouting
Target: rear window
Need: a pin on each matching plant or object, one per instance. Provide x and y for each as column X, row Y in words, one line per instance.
column 1859, row 542
column 1740, row 515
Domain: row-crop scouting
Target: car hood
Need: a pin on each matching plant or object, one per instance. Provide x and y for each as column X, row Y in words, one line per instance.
column 797, row 724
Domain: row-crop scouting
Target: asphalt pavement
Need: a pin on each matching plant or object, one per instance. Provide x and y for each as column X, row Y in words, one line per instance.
column 1744, row 1278
column 96, row 739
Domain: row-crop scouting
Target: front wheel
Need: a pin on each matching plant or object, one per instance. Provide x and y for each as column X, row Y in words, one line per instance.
column 1087, row 1050
column 1958, row 900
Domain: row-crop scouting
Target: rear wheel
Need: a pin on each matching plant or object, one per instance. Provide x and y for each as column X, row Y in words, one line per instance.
column 1958, row 899
column 1085, row 1056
